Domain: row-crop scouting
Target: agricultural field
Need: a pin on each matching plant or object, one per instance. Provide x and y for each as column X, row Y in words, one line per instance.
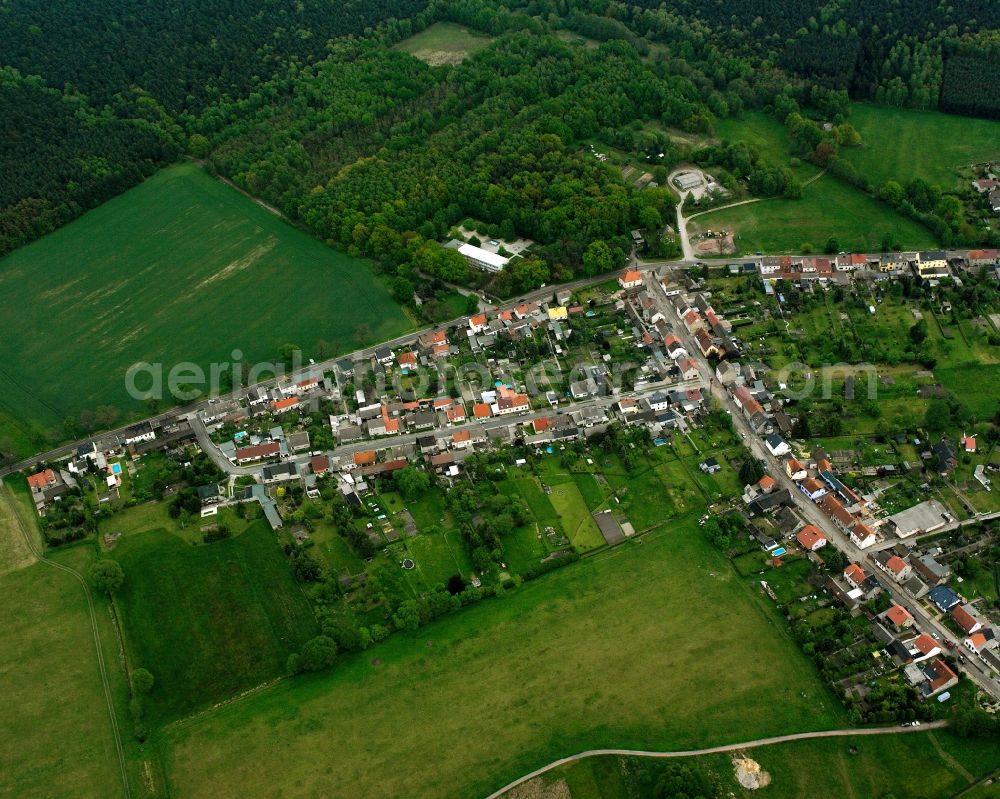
column 932, row 765
column 180, row 269
column 444, row 43
column 442, row 712
column 235, row 614
column 829, row 208
column 901, row 144
column 50, row 746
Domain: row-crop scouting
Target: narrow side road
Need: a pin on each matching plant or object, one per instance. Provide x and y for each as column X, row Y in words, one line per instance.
column 714, row 750
column 40, row 555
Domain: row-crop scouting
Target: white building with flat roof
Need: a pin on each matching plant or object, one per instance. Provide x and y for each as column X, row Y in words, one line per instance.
column 479, row 258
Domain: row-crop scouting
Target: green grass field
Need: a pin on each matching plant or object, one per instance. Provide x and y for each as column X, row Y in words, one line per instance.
column 444, row 43
column 209, row 621
column 56, row 737
column 900, row 144
column 643, row 645
column 765, row 133
column 828, row 209
column 180, row 268
column 931, row 765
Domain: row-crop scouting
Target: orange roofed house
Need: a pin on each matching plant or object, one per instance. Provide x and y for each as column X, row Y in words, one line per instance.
column 630, row 279
column 810, row 538
column 42, row 480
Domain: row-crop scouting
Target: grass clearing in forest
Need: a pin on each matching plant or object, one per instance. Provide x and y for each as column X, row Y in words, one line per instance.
column 180, row 268
column 444, row 43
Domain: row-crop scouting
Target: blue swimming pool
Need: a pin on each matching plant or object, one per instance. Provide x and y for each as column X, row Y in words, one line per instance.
column 116, row 468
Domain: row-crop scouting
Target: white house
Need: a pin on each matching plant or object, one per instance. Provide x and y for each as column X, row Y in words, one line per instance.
column 862, row 536
column 776, row 445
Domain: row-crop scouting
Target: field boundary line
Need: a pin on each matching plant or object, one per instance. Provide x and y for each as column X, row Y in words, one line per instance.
column 712, row 750
column 116, row 733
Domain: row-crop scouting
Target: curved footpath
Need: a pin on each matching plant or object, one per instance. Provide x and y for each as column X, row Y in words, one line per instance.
column 714, row 750
column 40, row 555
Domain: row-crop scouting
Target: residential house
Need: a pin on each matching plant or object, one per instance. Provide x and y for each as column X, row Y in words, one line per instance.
column 944, row 598
column 985, row 185
column 932, row 264
column 795, row 469
column 138, row 433
column 258, row 452
column 812, row 488
column 854, row 575
column 938, row 677
column 705, row 343
column 810, row 538
column 899, row 617
column 384, row 356
column 298, row 441
column 893, row 565
column 284, row 405
column 727, row 373
column 862, row 536
column 688, row 369
column 675, row 349
column 776, row 445
column 946, row 457
column 477, row 323
column 364, row 458
column 924, row 647
column 766, row 484
column 280, row 473
column 630, row 279
column 978, row 259
column 962, row 616
column 979, row 642
column 831, row 506
column 509, row 401
column 929, row 569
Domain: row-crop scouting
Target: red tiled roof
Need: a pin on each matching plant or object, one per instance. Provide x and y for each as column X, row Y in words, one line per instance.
column 963, row 618
column 478, row 319
column 481, row 410
column 978, row 640
column 944, row 674
column 925, row 644
column 280, row 405
column 896, row 564
column 630, row 276
column 42, row 479
column 809, row 537
column 766, row 482
column 319, row 464
column 456, row 414
column 541, row 425
column 831, row 505
column 855, row 573
column 898, row 615
column 364, row 458
column 258, row 451
column 461, row 435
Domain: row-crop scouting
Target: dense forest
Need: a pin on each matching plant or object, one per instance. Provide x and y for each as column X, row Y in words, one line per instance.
column 305, row 104
column 93, row 95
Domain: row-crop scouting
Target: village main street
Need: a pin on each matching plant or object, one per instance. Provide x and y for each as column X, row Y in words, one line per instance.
column 808, row 510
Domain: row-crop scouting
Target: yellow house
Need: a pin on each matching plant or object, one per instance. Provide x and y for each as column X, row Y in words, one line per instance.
column 558, row 313
column 932, row 264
